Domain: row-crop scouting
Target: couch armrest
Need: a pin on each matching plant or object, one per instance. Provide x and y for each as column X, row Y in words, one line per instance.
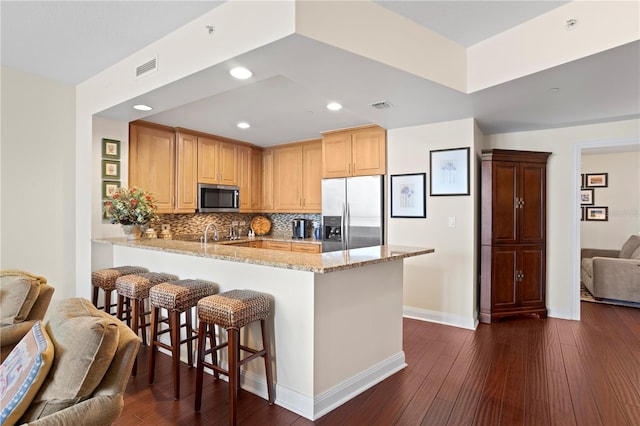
column 12, row 333
column 594, row 252
column 96, row 411
column 41, row 304
column 616, row 278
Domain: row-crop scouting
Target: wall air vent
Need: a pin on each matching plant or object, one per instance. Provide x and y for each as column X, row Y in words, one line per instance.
column 149, row 66
column 382, row 105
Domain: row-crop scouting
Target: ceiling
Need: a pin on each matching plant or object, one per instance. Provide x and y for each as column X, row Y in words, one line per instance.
column 295, row 77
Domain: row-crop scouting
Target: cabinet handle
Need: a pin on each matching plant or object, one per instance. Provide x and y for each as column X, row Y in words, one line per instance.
column 519, row 202
column 519, row 276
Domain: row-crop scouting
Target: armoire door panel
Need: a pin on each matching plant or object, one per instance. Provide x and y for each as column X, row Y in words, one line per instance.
column 532, row 211
column 531, row 263
column 504, row 207
column 503, row 271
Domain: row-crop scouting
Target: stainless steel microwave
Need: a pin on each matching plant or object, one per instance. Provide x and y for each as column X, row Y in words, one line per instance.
column 218, row 198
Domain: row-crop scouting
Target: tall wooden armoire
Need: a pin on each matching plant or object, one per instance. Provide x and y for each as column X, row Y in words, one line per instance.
column 513, row 234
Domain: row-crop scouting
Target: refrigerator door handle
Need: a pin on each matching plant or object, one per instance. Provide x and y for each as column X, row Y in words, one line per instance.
column 343, row 228
column 348, row 227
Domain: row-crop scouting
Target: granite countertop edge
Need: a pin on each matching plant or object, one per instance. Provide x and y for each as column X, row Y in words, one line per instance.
column 307, row 262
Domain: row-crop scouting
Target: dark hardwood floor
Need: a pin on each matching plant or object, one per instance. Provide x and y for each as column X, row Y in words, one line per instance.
column 517, row 372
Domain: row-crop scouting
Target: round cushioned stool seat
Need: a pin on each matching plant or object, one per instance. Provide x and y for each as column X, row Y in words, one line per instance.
column 105, row 279
column 234, row 309
column 180, row 295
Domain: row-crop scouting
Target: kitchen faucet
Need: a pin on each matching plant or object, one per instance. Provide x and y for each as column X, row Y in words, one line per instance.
column 215, row 232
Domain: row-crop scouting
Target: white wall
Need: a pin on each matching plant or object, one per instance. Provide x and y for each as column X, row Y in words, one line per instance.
column 37, row 178
column 109, row 129
column 442, row 286
column 562, row 200
column 622, row 196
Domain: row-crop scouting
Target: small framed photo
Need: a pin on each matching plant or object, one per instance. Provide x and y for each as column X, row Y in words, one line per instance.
column 597, row 180
column 408, row 195
column 582, row 180
column 105, row 213
column 583, row 213
column 586, row 197
column 110, row 149
column 597, row 213
column 449, row 172
column 109, row 187
column 110, row 169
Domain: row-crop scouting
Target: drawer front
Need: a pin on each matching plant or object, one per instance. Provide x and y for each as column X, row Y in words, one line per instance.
column 255, row 244
column 276, row 245
column 305, row 248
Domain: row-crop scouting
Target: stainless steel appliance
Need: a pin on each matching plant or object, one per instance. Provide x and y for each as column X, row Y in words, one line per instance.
column 218, row 198
column 352, row 212
column 300, row 228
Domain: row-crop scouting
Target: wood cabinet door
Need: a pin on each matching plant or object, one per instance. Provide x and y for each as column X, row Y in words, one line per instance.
column 255, row 177
column 267, row 180
column 312, row 177
column 152, row 163
column 244, row 178
column 532, row 211
column 207, row 160
column 368, row 152
column 336, row 155
column 287, row 178
column 186, row 174
column 504, row 192
column 227, row 164
column 504, row 261
column 531, row 287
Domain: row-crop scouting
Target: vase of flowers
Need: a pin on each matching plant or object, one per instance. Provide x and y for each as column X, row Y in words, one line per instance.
column 131, row 208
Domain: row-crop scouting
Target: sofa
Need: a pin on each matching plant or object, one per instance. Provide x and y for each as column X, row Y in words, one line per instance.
column 90, row 355
column 24, row 299
column 613, row 274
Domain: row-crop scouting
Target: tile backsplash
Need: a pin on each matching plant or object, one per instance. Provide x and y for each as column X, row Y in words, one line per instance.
column 191, row 224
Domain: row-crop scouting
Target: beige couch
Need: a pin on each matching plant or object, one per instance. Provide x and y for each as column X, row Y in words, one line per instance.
column 613, row 274
column 92, row 361
column 28, row 305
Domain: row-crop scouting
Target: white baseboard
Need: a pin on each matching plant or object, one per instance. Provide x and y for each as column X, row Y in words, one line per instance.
column 440, row 318
column 314, row 408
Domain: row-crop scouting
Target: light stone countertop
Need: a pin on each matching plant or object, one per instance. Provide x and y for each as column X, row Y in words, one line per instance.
column 311, row 262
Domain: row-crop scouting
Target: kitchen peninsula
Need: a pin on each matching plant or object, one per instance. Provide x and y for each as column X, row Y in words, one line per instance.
column 337, row 323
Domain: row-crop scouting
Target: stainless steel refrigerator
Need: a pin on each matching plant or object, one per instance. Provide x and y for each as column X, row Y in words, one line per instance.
column 352, row 212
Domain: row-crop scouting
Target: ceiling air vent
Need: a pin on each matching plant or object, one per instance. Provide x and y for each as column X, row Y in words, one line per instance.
column 382, row 105
column 149, row 66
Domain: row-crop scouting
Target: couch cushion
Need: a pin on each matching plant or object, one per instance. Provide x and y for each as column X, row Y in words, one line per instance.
column 23, row 372
column 17, row 296
column 85, row 341
column 629, row 247
column 636, row 254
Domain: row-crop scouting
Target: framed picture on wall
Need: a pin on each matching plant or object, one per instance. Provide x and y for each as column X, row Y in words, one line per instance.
column 110, row 149
column 449, row 172
column 597, row 180
column 597, row 213
column 586, row 197
column 110, row 169
column 109, row 187
column 408, row 195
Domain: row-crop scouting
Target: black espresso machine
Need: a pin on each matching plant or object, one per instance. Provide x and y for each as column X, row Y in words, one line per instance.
column 300, row 228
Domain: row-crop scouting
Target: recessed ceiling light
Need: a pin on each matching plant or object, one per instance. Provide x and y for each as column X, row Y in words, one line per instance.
column 554, row 89
column 243, row 125
column 334, row 106
column 240, row 73
column 142, row 107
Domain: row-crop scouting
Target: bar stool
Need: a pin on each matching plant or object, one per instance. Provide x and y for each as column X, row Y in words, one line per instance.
column 176, row 297
column 105, row 279
column 232, row 310
column 134, row 290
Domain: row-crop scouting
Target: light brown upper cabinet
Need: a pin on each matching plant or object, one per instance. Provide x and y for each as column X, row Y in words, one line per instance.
column 354, row 152
column 297, row 176
column 250, row 178
column 267, row 180
column 163, row 167
column 217, row 161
